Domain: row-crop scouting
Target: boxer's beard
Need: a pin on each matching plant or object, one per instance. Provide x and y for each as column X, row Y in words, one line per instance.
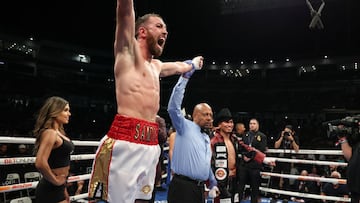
column 153, row 47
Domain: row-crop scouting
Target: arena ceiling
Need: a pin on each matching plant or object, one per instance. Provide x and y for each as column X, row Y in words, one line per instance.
column 218, row 29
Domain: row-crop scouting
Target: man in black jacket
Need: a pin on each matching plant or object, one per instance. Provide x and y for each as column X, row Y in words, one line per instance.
column 249, row 170
column 351, row 153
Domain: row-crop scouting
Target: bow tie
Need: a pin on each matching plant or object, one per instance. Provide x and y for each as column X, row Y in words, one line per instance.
column 205, row 130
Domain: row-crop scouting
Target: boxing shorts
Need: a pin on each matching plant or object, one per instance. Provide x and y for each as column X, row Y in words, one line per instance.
column 125, row 162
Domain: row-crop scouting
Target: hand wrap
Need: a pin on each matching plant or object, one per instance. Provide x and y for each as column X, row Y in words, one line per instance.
column 190, row 72
column 197, row 63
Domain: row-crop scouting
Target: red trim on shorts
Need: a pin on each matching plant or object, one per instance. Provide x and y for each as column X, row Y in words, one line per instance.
column 134, row 130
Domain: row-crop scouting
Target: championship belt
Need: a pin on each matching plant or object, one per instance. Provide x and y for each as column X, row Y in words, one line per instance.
column 221, row 163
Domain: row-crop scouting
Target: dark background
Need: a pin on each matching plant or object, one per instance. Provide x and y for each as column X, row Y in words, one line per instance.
column 218, row 29
column 232, row 31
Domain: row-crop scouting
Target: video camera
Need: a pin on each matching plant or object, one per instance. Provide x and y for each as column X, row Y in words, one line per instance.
column 346, row 127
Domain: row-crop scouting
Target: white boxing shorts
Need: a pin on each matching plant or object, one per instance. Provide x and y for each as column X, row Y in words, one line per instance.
column 125, row 163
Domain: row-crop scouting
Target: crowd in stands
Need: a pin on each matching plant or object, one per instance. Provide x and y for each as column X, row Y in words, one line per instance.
column 79, row 167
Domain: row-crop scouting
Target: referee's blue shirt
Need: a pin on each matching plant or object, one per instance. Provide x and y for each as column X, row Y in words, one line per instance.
column 192, row 150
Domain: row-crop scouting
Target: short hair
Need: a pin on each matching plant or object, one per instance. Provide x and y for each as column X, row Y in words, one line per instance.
column 142, row 20
column 289, row 127
column 335, row 174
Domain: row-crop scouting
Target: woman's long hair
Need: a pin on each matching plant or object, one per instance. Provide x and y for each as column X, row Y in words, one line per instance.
column 52, row 107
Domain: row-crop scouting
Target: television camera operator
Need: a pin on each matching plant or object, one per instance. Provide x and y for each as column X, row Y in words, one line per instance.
column 347, row 132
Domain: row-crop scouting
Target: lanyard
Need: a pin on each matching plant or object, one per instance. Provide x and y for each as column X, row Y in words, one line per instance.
column 250, row 139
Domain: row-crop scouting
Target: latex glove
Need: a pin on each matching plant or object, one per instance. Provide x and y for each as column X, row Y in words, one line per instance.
column 214, row 192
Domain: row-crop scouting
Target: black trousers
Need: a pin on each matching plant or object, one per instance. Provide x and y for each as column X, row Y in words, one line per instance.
column 252, row 177
column 181, row 191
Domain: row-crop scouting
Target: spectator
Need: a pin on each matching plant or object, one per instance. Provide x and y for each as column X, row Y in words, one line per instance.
column 335, row 189
column 3, row 168
column 22, row 151
column 305, row 186
column 4, row 150
column 293, row 171
column 240, row 129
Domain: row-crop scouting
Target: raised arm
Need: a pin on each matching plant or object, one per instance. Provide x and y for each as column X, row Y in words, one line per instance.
column 174, row 105
column 125, row 27
column 278, row 141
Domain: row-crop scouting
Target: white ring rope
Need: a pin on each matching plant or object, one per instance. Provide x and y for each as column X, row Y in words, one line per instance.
column 305, row 195
column 306, row 178
column 20, row 186
column 305, row 151
column 29, row 160
column 314, row 162
column 28, row 185
column 27, row 140
column 78, row 197
column 17, row 140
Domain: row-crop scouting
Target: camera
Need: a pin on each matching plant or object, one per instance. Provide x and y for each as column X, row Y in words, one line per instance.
column 286, row 134
column 345, row 127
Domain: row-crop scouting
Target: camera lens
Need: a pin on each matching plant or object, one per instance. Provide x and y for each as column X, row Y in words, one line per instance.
column 286, row 134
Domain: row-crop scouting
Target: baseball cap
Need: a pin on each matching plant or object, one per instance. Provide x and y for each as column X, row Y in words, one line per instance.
column 22, row 146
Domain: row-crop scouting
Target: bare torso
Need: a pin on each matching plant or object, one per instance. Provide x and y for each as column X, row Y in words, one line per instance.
column 137, row 89
column 136, row 71
column 63, row 171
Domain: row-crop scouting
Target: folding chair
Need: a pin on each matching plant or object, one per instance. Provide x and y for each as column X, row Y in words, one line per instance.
column 11, row 179
column 31, row 177
column 21, row 200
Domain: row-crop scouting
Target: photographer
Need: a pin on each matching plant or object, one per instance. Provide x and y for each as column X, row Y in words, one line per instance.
column 286, row 140
column 351, row 151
